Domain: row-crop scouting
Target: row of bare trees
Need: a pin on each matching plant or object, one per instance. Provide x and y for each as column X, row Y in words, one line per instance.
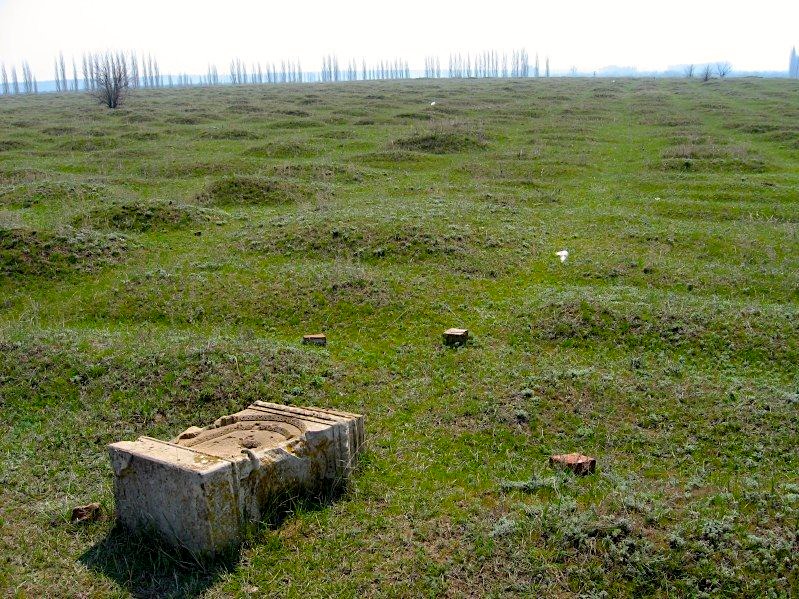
column 707, row 71
column 287, row 72
column 487, row 64
column 143, row 71
column 131, row 70
column 13, row 85
column 394, row 68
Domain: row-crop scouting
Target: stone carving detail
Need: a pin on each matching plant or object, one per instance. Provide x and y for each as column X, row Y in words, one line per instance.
column 202, row 488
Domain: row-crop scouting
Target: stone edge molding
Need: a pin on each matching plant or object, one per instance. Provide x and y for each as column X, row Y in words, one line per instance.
column 204, row 503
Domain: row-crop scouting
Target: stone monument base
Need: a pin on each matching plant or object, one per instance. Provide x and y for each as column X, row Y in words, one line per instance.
column 201, row 490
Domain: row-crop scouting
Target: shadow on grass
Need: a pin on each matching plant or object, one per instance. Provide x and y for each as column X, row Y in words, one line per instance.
column 147, row 566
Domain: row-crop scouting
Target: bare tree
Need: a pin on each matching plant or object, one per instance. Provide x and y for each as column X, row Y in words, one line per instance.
column 149, row 71
column 111, row 80
column 546, row 67
column 688, row 71
column 723, row 69
column 62, row 67
column 134, row 70
column 85, row 68
column 4, row 76
column 14, row 80
column 707, row 73
column 157, row 73
column 28, row 82
column 75, row 81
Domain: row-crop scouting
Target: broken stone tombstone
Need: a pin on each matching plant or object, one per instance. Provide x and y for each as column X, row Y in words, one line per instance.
column 453, row 337
column 315, row 339
column 201, row 490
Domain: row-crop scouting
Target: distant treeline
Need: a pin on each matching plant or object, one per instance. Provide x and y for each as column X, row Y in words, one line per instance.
column 143, row 71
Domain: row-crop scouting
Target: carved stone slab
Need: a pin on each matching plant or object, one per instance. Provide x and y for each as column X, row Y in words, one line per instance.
column 200, row 490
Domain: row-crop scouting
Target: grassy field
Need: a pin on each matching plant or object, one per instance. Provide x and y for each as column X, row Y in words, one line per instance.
column 159, row 264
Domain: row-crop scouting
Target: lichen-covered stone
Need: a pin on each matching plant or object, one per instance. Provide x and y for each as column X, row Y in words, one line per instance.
column 200, row 490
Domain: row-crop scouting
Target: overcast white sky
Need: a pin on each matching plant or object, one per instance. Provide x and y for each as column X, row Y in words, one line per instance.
column 186, row 35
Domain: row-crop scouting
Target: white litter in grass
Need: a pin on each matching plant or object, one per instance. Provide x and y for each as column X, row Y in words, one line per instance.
column 562, row 254
column 433, row 103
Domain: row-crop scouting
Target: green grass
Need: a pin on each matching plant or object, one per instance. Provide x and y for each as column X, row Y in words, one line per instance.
column 160, row 263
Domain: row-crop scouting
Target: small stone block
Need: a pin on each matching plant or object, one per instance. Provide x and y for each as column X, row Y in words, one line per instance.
column 576, row 462
column 203, row 489
column 315, row 339
column 456, row 336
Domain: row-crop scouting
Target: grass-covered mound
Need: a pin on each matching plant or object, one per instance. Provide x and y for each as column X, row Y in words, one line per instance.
column 706, row 332
column 324, row 172
column 225, row 133
column 26, row 195
column 389, row 235
column 33, row 252
column 367, row 241
column 281, row 149
column 142, row 216
column 244, row 190
column 441, row 142
column 711, row 157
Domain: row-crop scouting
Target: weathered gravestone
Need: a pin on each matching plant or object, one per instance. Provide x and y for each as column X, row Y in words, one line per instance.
column 201, row 490
column 454, row 337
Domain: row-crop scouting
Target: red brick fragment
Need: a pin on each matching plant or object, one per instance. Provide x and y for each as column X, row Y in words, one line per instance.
column 576, row 462
column 85, row 513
